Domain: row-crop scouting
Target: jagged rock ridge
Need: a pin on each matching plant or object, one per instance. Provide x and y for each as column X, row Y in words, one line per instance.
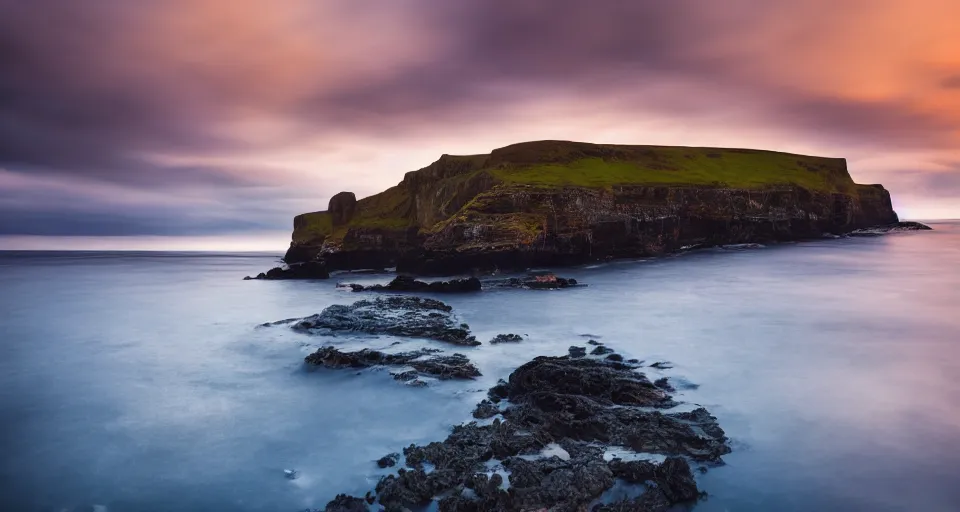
column 555, row 202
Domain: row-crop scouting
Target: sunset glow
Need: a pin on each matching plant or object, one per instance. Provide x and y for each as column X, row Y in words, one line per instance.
column 218, row 120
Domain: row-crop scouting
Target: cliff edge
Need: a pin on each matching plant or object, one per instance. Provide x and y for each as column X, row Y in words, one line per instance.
column 551, row 203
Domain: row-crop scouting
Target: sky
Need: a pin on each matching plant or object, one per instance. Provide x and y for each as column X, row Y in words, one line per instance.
column 209, row 124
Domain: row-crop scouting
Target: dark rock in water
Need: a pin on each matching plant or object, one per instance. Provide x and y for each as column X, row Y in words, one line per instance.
column 580, row 404
column 506, row 338
column 741, row 247
column 577, row 352
column 398, row 316
column 650, row 501
column 675, row 480
column 633, row 471
column 634, row 361
column 308, row 270
column 389, row 460
column 910, row 226
column 346, row 503
column 601, row 350
column 407, row 376
column 409, row 284
column 614, row 357
column 544, row 281
column 663, row 384
column 594, row 342
column 498, row 392
column 423, row 361
column 672, row 483
column 661, row 365
column 486, row 409
column 279, row 322
column 890, row 228
column 591, row 381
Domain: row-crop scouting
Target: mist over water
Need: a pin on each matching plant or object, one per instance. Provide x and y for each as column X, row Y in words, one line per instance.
column 141, row 382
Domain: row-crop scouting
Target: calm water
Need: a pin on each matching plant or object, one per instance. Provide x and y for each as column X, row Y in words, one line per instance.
column 139, row 382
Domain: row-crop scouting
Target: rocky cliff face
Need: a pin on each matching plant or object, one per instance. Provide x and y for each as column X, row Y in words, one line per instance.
column 554, row 203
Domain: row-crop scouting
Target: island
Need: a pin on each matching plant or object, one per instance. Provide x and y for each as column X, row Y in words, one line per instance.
column 553, row 203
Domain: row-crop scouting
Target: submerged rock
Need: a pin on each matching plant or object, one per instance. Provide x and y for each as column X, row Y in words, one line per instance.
column 890, row 228
column 544, row 281
column 600, row 350
column 409, row 284
column 389, row 460
column 741, row 247
column 506, row 338
column 308, row 270
column 580, row 405
column 424, row 362
column 663, row 384
column 347, row 503
column 486, row 409
column 398, row 316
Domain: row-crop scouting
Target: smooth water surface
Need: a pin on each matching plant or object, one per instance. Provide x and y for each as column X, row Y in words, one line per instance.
column 141, row 382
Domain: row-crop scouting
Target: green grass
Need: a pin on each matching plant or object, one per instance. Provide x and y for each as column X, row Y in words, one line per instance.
column 390, row 209
column 687, row 166
column 313, row 226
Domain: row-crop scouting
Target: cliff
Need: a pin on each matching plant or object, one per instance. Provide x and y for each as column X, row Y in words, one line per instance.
column 555, row 202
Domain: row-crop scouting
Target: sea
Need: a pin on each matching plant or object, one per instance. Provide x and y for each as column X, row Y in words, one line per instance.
column 143, row 381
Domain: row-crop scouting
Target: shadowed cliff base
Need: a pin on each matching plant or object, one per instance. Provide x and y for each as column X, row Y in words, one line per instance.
column 555, row 203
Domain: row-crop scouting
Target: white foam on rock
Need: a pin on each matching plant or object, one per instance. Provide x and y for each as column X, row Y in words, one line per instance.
column 550, row 450
column 621, row 452
column 494, row 466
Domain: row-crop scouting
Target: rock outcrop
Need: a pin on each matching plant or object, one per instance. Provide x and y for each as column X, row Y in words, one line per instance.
column 398, row 316
column 409, row 284
column 306, row 270
column 506, row 338
column 560, row 415
column 424, row 362
column 540, row 281
column 895, row 227
column 553, row 203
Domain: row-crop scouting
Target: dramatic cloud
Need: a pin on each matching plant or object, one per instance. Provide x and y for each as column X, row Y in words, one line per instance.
column 231, row 116
column 951, row 82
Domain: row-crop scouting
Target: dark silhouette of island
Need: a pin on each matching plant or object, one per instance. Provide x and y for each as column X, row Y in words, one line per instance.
column 554, row 203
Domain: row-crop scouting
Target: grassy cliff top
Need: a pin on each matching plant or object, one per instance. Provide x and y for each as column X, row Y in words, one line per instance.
column 560, row 164
column 551, row 163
